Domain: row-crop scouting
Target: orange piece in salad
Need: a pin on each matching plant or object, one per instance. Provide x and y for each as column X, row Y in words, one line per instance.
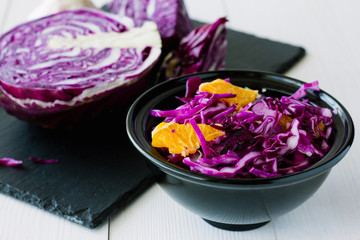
column 181, row 138
column 219, row 86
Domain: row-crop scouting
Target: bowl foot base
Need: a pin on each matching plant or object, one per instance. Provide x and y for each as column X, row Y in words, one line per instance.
column 235, row 227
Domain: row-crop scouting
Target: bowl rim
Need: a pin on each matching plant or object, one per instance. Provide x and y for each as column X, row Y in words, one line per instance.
column 177, row 171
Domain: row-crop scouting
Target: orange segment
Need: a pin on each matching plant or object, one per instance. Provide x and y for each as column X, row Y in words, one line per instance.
column 243, row 96
column 285, row 122
column 321, row 126
column 181, row 138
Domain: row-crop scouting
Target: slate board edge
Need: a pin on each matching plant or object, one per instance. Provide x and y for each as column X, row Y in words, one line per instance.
column 68, row 214
column 283, row 69
column 123, row 201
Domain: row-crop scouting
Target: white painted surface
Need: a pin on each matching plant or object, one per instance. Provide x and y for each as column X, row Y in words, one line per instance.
column 329, row 31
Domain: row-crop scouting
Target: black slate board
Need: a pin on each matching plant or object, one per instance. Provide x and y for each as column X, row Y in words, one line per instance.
column 246, row 51
column 98, row 173
column 96, row 176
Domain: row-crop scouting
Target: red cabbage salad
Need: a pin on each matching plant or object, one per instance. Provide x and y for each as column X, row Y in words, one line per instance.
column 227, row 131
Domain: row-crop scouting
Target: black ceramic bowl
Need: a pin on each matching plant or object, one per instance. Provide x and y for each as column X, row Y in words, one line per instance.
column 235, row 204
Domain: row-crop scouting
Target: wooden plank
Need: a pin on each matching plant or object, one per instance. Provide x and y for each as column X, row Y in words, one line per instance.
column 327, row 30
column 332, row 213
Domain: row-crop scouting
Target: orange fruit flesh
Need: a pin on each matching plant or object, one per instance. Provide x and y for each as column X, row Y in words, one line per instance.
column 243, row 96
column 285, row 122
column 181, row 138
column 321, row 126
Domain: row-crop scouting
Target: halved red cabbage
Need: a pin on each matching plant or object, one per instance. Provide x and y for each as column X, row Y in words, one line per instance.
column 203, row 49
column 170, row 16
column 270, row 137
column 54, row 69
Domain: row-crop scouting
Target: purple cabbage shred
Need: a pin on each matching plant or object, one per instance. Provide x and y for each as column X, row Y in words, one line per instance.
column 41, row 160
column 10, row 162
column 203, row 49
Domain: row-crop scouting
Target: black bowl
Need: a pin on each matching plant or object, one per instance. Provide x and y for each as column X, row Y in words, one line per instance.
column 227, row 203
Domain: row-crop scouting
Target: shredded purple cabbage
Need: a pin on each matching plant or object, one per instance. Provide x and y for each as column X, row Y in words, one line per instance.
column 270, row 137
column 203, row 49
column 41, row 160
column 10, row 162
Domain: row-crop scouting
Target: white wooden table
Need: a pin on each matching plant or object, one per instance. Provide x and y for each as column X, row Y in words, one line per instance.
column 329, row 31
